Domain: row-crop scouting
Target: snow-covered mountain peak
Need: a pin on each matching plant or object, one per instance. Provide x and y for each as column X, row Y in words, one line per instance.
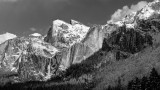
column 130, row 17
column 6, row 36
column 146, row 12
column 59, row 22
column 149, row 10
column 71, row 33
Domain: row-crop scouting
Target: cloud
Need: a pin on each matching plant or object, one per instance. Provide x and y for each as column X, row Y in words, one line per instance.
column 121, row 13
column 33, row 29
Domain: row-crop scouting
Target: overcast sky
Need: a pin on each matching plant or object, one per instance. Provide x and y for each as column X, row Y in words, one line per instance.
column 23, row 17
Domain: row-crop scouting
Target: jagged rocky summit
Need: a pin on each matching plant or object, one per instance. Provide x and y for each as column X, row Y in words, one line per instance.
column 39, row 58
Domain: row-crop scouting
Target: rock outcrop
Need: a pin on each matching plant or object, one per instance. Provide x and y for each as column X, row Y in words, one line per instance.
column 29, row 58
column 77, row 41
column 63, row 34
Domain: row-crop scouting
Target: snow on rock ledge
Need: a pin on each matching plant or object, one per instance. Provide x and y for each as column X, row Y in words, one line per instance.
column 35, row 35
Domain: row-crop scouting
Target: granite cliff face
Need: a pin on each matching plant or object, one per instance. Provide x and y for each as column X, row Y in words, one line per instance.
column 62, row 34
column 76, row 41
column 28, row 58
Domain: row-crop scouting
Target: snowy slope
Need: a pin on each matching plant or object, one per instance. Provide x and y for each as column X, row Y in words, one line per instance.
column 6, row 36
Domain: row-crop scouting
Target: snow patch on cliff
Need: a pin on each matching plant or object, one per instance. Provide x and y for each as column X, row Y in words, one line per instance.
column 35, row 34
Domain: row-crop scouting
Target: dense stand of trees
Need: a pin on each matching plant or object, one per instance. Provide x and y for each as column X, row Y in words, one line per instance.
column 146, row 83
